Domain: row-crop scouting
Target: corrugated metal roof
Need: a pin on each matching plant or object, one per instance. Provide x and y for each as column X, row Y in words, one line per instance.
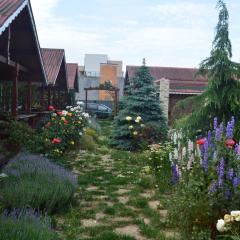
column 52, row 60
column 182, row 80
column 72, row 70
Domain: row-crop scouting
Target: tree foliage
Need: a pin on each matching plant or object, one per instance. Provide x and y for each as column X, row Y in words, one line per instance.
column 221, row 98
column 140, row 100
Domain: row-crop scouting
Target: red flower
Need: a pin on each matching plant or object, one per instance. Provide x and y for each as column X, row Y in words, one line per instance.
column 230, row 143
column 56, row 141
column 201, row 141
column 51, row 108
column 59, row 113
column 65, row 122
column 48, row 124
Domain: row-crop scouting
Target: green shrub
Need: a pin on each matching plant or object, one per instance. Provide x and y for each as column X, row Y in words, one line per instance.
column 25, row 225
column 36, row 182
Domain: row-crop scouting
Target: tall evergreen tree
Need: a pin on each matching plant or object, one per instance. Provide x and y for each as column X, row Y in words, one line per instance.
column 222, row 96
column 140, row 101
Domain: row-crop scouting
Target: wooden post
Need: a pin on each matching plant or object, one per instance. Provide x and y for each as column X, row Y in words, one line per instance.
column 29, row 96
column 115, row 100
column 86, row 98
column 15, row 91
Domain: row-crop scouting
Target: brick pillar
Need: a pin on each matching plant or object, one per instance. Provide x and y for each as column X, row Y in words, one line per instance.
column 164, row 95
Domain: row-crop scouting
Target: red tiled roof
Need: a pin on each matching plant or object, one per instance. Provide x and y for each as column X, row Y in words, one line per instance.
column 72, row 70
column 7, row 8
column 182, row 80
column 52, row 60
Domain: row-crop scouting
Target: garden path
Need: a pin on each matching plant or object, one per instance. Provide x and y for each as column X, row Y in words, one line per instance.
column 115, row 200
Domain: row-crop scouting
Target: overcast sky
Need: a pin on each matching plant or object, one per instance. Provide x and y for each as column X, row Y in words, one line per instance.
column 175, row 33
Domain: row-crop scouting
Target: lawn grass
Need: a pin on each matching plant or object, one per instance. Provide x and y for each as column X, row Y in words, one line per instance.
column 109, row 197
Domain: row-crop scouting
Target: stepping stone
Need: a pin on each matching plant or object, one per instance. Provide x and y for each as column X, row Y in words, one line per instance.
column 171, row 234
column 92, row 188
column 123, row 199
column 154, row 204
column 77, row 172
column 146, row 194
column 163, row 214
column 147, row 221
column 123, row 191
column 89, row 223
column 100, row 216
column 122, row 219
column 130, row 230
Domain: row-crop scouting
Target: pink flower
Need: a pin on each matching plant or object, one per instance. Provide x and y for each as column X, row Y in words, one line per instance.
column 51, row 108
column 56, row 141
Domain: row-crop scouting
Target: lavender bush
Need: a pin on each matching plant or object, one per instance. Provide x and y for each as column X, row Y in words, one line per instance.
column 25, row 224
column 207, row 179
column 35, row 181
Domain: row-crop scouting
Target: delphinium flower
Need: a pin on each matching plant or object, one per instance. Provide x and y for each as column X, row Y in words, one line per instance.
column 217, row 134
column 215, row 123
column 175, row 174
column 209, row 137
column 205, row 156
column 235, row 182
column 213, row 187
column 190, row 162
column 190, row 147
column 229, row 130
column 215, row 155
column 228, row 194
column 220, row 172
column 230, row 174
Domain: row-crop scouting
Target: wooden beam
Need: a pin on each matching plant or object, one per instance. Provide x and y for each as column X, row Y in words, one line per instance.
column 15, row 91
column 12, row 64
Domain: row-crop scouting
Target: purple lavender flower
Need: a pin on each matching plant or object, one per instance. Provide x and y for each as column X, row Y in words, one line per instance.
column 175, row 174
column 215, row 155
column 213, row 187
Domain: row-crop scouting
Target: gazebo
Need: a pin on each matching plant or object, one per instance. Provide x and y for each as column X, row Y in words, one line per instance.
column 21, row 63
column 56, row 92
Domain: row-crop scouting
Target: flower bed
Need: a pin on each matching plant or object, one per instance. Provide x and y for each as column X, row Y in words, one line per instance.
column 207, row 179
column 25, row 225
column 36, row 182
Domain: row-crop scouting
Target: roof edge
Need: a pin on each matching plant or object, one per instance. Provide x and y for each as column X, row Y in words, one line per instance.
column 13, row 16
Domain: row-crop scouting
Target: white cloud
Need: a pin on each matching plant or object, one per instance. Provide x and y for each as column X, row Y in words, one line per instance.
column 170, row 34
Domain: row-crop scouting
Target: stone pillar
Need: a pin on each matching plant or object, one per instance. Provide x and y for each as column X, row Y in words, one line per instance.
column 164, row 95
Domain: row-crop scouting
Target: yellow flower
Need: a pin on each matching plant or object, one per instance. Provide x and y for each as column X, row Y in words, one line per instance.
column 72, row 142
column 53, row 118
column 128, row 118
column 63, row 118
column 139, row 118
column 69, row 114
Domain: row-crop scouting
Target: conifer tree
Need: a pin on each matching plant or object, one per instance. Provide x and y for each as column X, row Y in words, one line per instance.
column 221, row 98
column 140, row 101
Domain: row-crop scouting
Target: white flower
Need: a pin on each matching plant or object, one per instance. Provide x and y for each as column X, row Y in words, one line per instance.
column 139, row 118
column 80, row 133
column 68, row 107
column 72, row 109
column 64, row 113
column 130, row 127
column 236, row 215
column 190, row 146
column 128, row 118
column 221, row 225
column 54, row 115
column 79, row 103
column 3, row 175
column 142, row 125
column 175, row 154
column 184, row 152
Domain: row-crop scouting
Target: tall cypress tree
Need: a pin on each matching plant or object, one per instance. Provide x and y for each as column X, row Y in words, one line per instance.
column 222, row 96
column 141, row 100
